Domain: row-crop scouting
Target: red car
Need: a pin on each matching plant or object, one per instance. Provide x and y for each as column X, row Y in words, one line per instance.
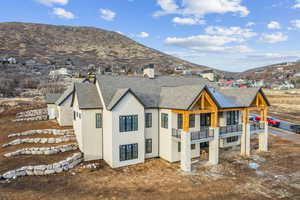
column 271, row 121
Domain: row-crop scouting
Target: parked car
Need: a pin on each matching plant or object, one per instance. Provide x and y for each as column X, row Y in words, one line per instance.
column 271, row 121
column 251, row 118
column 295, row 128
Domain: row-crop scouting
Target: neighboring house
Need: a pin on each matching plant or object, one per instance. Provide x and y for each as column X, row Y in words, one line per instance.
column 208, row 74
column 125, row 120
column 64, row 109
column 51, row 106
column 59, row 72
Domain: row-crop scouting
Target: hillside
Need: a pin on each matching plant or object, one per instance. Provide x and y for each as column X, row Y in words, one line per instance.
column 83, row 45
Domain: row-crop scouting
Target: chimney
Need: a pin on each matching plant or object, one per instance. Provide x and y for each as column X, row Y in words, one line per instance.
column 149, row 71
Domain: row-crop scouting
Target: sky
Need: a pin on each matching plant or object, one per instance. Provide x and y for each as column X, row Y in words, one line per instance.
column 231, row 35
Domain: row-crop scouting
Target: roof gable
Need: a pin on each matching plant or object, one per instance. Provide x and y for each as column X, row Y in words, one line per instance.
column 87, row 96
column 119, row 95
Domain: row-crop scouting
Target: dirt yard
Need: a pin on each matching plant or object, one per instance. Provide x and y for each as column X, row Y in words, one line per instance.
column 272, row 175
column 285, row 104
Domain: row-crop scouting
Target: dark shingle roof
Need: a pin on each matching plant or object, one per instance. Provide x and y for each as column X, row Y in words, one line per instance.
column 171, row 92
column 87, row 96
column 148, row 91
column 52, row 98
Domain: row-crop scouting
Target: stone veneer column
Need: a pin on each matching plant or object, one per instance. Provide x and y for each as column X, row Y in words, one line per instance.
column 245, row 140
column 214, row 147
column 263, row 138
column 186, row 153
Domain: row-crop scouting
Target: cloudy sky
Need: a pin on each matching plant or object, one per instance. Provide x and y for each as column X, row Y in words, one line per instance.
column 232, row 35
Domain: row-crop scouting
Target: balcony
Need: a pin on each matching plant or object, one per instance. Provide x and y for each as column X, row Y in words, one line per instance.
column 202, row 135
column 231, row 130
column 257, row 127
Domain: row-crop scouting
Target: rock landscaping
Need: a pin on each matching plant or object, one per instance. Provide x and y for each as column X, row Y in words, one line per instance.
column 44, row 131
column 43, row 150
column 41, row 140
column 32, row 115
column 40, row 170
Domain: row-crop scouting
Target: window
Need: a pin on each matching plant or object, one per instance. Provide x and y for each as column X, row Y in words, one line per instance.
column 204, row 145
column 179, row 121
column 98, row 120
column 232, row 139
column 193, row 146
column 164, row 120
column 128, row 123
column 74, row 115
column 148, row 120
column 233, row 117
column 148, row 145
column 205, row 119
column 192, row 120
column 79, row 115
column 128, row 152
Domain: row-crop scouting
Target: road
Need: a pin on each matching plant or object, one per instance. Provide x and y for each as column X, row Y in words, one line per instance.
column 283, row 124
column 295, row 138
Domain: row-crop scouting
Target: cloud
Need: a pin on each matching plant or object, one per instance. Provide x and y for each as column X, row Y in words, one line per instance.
column 53, row 2
column 143, row 35
column 62, row 13
column 187, row 21
column 273, row 38
column 107, row 14
column 274, row 25
column 296, row 23
column 297, row 4
column 201, row 8
column 249, row 24
column 235, row 31
column 207, row 43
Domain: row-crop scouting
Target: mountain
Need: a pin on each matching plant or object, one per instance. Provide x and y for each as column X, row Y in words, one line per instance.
column 82, row 45
column 272, row 73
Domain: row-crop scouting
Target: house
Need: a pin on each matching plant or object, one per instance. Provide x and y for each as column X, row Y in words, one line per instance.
column 125, row 120
column 64, row 109
column 59, row 72
column 208, row 74
column 51, row 106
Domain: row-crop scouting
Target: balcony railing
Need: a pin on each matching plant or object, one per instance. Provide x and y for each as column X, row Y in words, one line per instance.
column 195, row 135
column 257, row 126
column 231, row 129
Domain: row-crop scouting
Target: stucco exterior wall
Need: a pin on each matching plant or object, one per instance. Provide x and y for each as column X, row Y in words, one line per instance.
column 65, row 113
column 77, row 124
column 165, row 137
column 52, row 111
column 152, row 133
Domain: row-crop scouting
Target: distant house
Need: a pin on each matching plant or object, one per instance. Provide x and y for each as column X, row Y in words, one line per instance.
column 208, row 74
column 59, row 72
column 51, row 106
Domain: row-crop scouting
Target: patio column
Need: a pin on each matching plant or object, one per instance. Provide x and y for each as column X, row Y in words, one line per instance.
column 185, row 161
column 214, row 147
column 246, row 140
column 263, row 138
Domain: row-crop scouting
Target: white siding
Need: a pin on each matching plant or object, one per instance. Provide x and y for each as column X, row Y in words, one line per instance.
column 77, row 124
column 52, row 111
column 165, row 137
column 129, row 105
column 152, row 133
column 65, row 113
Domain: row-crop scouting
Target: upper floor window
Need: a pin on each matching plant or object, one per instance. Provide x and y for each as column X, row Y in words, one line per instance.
column 179, row 121
column 164, row 120
column 192, row 120
column 148, row 120
column 205, row 119
column 128, row 123
column 233, row 117
column 98, row 120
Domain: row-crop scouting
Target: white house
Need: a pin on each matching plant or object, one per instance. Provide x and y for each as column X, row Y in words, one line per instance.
column 125, row 120
column 51, row 106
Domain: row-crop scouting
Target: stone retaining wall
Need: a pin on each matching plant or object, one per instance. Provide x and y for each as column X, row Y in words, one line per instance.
column 32, row 115
column 41, row 140
column 43, row 150
column 44, row 131
column 40, row 170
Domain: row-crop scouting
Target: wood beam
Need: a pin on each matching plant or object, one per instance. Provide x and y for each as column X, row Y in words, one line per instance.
column 186, row 121
column 192, row 111
column 246, row 116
